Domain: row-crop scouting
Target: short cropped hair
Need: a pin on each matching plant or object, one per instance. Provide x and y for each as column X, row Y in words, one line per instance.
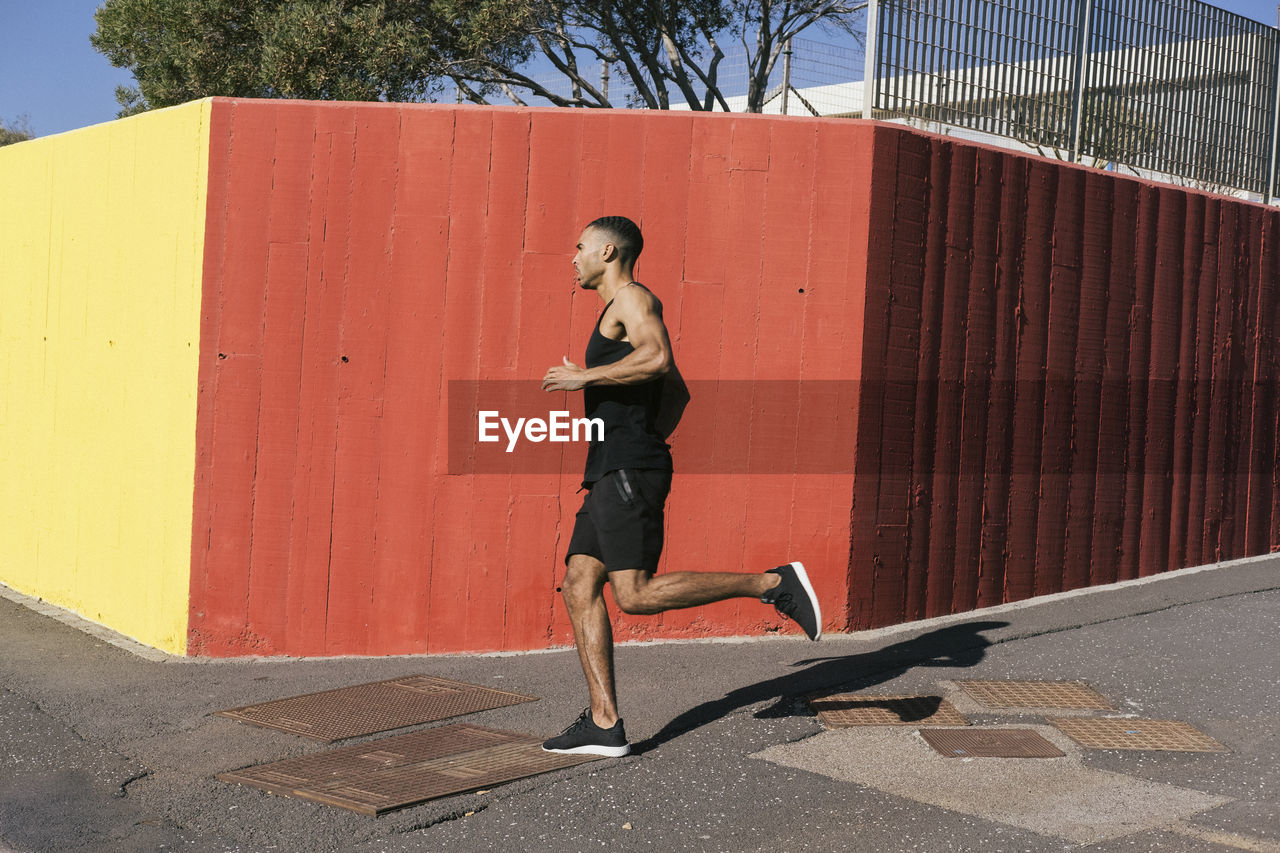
column 623, row 234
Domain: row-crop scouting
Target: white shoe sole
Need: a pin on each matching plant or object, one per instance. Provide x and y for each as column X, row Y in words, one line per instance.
column 606, row 751
column 813, row 597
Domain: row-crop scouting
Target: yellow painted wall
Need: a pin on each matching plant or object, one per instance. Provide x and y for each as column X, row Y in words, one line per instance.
column 101, row 252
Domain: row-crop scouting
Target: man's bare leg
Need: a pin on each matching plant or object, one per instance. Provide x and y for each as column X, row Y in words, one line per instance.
column 636, row 591
column 583, row 591
column 641, row 592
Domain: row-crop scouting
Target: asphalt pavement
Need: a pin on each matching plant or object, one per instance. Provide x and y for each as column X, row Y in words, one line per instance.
column 109, row 747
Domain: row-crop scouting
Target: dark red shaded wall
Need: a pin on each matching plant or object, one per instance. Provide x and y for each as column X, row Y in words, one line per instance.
column 360, row 257
column 1071, row 381
column 1052, row 377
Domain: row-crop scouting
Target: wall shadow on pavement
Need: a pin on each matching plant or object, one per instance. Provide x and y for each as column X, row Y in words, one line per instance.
column 952, row 647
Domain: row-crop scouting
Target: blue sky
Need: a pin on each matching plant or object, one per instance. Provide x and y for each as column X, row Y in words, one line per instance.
column 50, row 72
column 48, row 69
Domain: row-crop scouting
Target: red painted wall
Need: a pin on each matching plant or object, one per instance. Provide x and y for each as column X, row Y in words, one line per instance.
column 360, row 257
column 1071, row 380
column 1049, row 376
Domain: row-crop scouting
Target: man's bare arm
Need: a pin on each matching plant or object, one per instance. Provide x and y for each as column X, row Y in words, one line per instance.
column 636, row 310
column 675, row 399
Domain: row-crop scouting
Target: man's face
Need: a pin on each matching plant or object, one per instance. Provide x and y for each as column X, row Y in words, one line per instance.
column 589, row 260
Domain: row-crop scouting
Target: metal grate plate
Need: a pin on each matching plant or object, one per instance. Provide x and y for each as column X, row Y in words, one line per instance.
column 404, row 770
column 842, row 710
column 377, row 707
column 990, row 743
column 1112, row 733
column 1036, row 694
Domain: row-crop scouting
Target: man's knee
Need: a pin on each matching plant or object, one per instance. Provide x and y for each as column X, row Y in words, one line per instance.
column 630, row 593
column 634, row 605
column 583, row 579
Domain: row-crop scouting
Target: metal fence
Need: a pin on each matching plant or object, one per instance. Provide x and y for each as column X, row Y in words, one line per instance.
column 1170, row 89
column 1177, row 87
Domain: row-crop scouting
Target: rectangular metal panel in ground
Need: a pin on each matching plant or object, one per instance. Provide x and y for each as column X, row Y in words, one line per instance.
column 990, row 743
column 1130, row 733
column 365, row 709
column 1036, row 694
column 395, row 772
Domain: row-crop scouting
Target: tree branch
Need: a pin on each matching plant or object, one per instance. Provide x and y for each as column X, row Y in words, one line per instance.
column 708, row 77
column 570, row 70
column 511, row 93
column 570, row 58
column 609, row 29
column 637, row 32
column 471, row 94
column 515, row 78
column 677, row 71
column 600, row 54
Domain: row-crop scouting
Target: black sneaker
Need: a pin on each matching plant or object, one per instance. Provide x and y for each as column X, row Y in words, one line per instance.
column 585, row 737
column 794, row 598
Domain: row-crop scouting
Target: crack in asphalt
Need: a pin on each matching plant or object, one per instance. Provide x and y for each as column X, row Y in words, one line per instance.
column 124, row 786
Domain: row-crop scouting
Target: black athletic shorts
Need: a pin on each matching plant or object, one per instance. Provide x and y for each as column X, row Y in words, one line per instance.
column 620, row 523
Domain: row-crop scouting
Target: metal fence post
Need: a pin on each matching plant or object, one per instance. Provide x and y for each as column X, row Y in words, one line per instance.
column 869, row 72
column 786, row 74
column 1084, row 18
column 1270, row 183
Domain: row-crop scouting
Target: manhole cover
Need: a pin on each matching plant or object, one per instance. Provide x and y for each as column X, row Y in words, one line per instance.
column 990, row 743
column 1112, row 733
column 1036, row 694
column 395, row 772
column 377, row 707
column 841, row 710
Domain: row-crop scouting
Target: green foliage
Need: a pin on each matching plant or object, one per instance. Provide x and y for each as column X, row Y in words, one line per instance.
column 403, row 50
column 131, row 101
column 181, row 50
column 345, row 51
column 18, row 130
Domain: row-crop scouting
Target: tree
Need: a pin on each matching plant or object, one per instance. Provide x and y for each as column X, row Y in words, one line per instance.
column 19, row 130
column 180, row 50
column 668, row 51
column 405, row 50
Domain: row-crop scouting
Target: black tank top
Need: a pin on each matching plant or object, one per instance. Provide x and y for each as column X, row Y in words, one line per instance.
column 629, row 412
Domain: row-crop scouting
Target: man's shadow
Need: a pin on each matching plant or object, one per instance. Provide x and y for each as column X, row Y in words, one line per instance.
column 954, row 646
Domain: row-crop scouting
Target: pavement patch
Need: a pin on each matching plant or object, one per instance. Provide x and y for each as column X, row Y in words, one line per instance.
column 1054, row 797
column 1128, row 733
column 840, row 710
column 391, row 773
column 1036, row 694
column 380, row 706
column 1221, row 838
column 990, row 743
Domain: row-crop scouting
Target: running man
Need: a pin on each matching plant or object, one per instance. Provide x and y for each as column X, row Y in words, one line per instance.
column 617, row 537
